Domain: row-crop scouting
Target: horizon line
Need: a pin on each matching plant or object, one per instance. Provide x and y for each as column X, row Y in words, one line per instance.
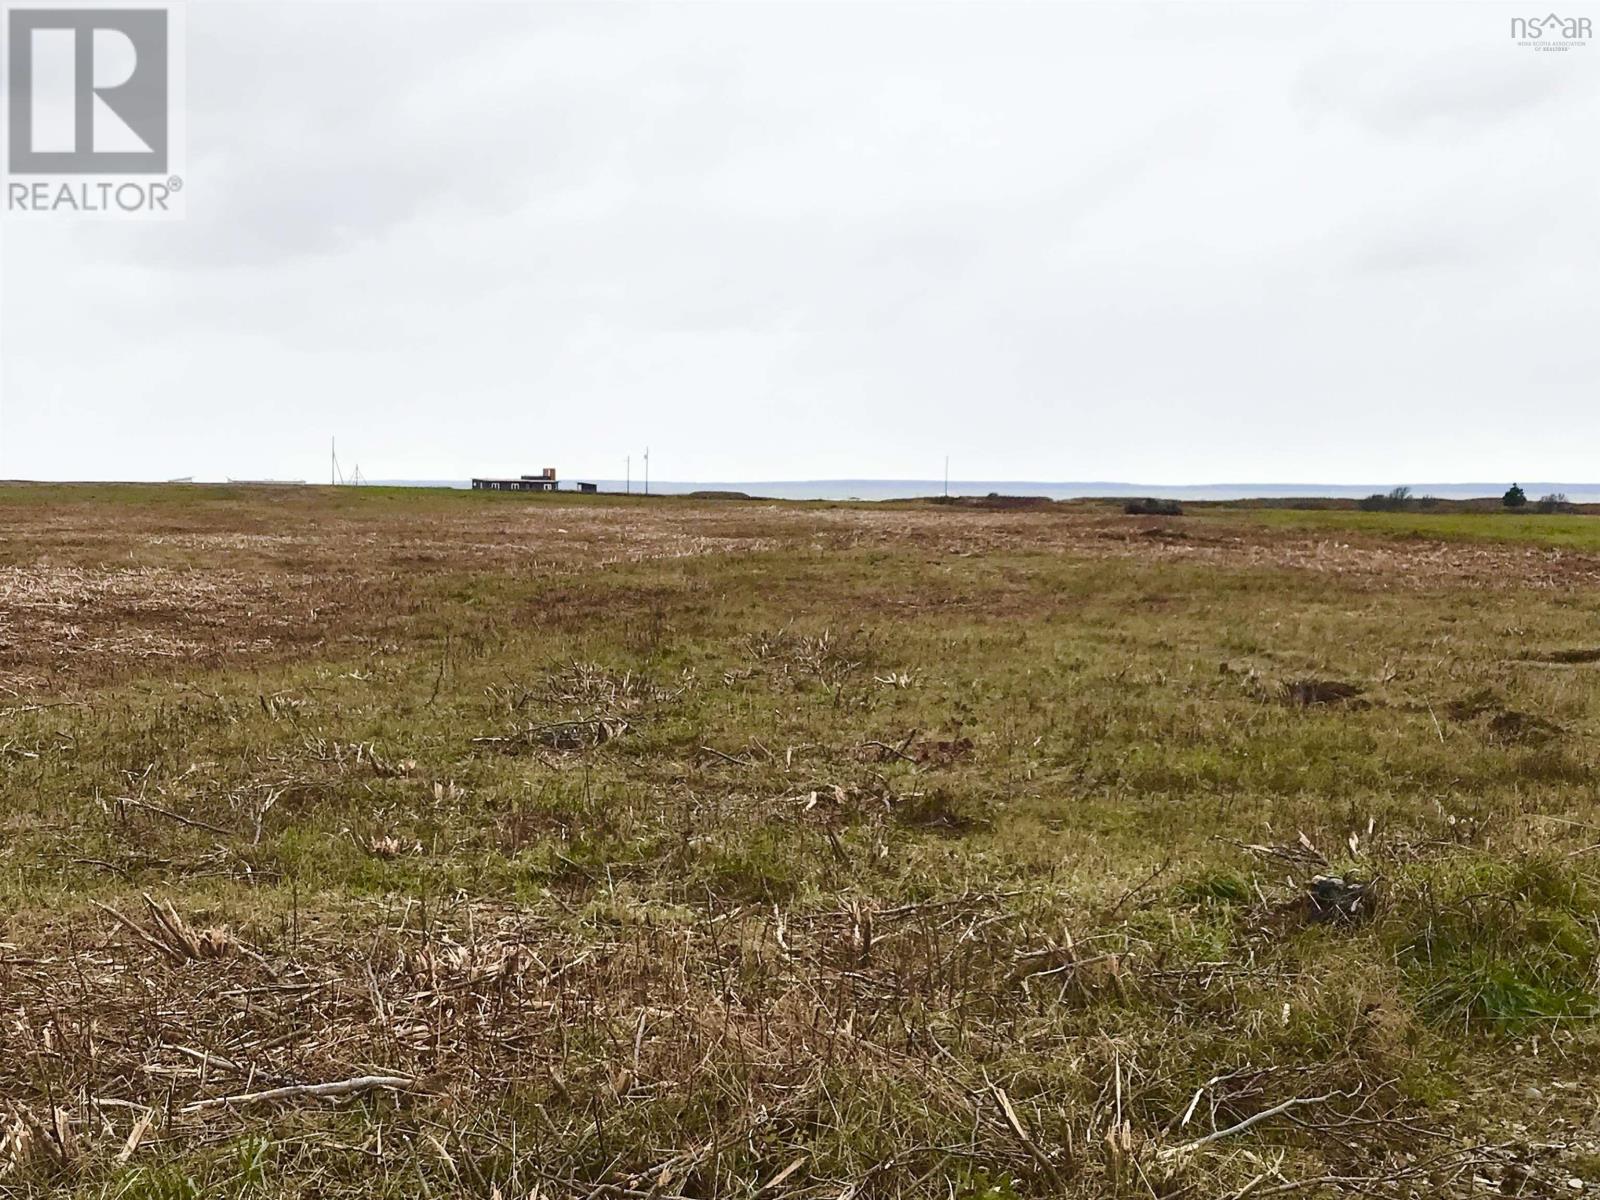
column 862, row 479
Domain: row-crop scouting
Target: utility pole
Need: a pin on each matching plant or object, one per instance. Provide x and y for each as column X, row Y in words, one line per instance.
column 629, row 484
column 333, row 461
column 647, row 470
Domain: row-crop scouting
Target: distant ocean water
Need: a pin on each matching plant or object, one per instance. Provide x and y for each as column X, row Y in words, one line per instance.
column 895, row 489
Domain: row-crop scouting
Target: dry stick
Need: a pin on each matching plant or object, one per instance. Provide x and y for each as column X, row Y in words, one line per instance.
column 888, row 749
column 1249, row 1187
column 194, row 822
column 341, row 1087
column 207, row 1059
column 1139, row 887
column 782, row 1175
column 1028, row 1144
column 529, row 731
column 179, row 936
column 1463, row 1158
column 138, row 931
column 1172, row 1152
column 444, row 660
column 135, row 1136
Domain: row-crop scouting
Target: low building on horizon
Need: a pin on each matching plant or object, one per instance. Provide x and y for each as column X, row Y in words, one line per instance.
column 545, row 481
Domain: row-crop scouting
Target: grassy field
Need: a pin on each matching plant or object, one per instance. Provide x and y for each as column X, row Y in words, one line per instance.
column 1567, row 530
column 387, row 843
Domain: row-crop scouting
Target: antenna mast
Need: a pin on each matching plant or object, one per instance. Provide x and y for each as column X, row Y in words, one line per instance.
column 335, row 475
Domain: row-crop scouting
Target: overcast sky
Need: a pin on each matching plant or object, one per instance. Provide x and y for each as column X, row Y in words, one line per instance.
column 1188, row 243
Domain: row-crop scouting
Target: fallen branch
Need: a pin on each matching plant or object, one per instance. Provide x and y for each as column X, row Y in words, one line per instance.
column 1135, row 889
column 782, row 1175
column 738, row 762
column 135, row 1136
column 1276, row 1110
column 896, row 751
column 1020, row 1132
column 133, row 927
column 192, row 822
column 172, row 935
column 341, row 1087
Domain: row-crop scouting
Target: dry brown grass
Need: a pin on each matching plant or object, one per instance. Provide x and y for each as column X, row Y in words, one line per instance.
column 403, row 844
column 91, row 587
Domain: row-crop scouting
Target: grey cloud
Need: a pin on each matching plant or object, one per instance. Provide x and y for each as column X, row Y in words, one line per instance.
column 1069, row 241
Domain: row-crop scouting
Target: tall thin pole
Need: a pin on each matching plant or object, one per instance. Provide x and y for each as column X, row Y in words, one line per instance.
column 630, row 475
column 333, row 461
column 647, row 470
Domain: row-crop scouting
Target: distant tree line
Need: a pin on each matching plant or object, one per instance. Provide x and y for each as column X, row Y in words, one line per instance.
column 1552, row 502
column 1399, row 499
column 1153, row 508
column 1395, row 500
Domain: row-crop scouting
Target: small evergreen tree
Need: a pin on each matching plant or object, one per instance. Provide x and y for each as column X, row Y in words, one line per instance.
column 1515, row 497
